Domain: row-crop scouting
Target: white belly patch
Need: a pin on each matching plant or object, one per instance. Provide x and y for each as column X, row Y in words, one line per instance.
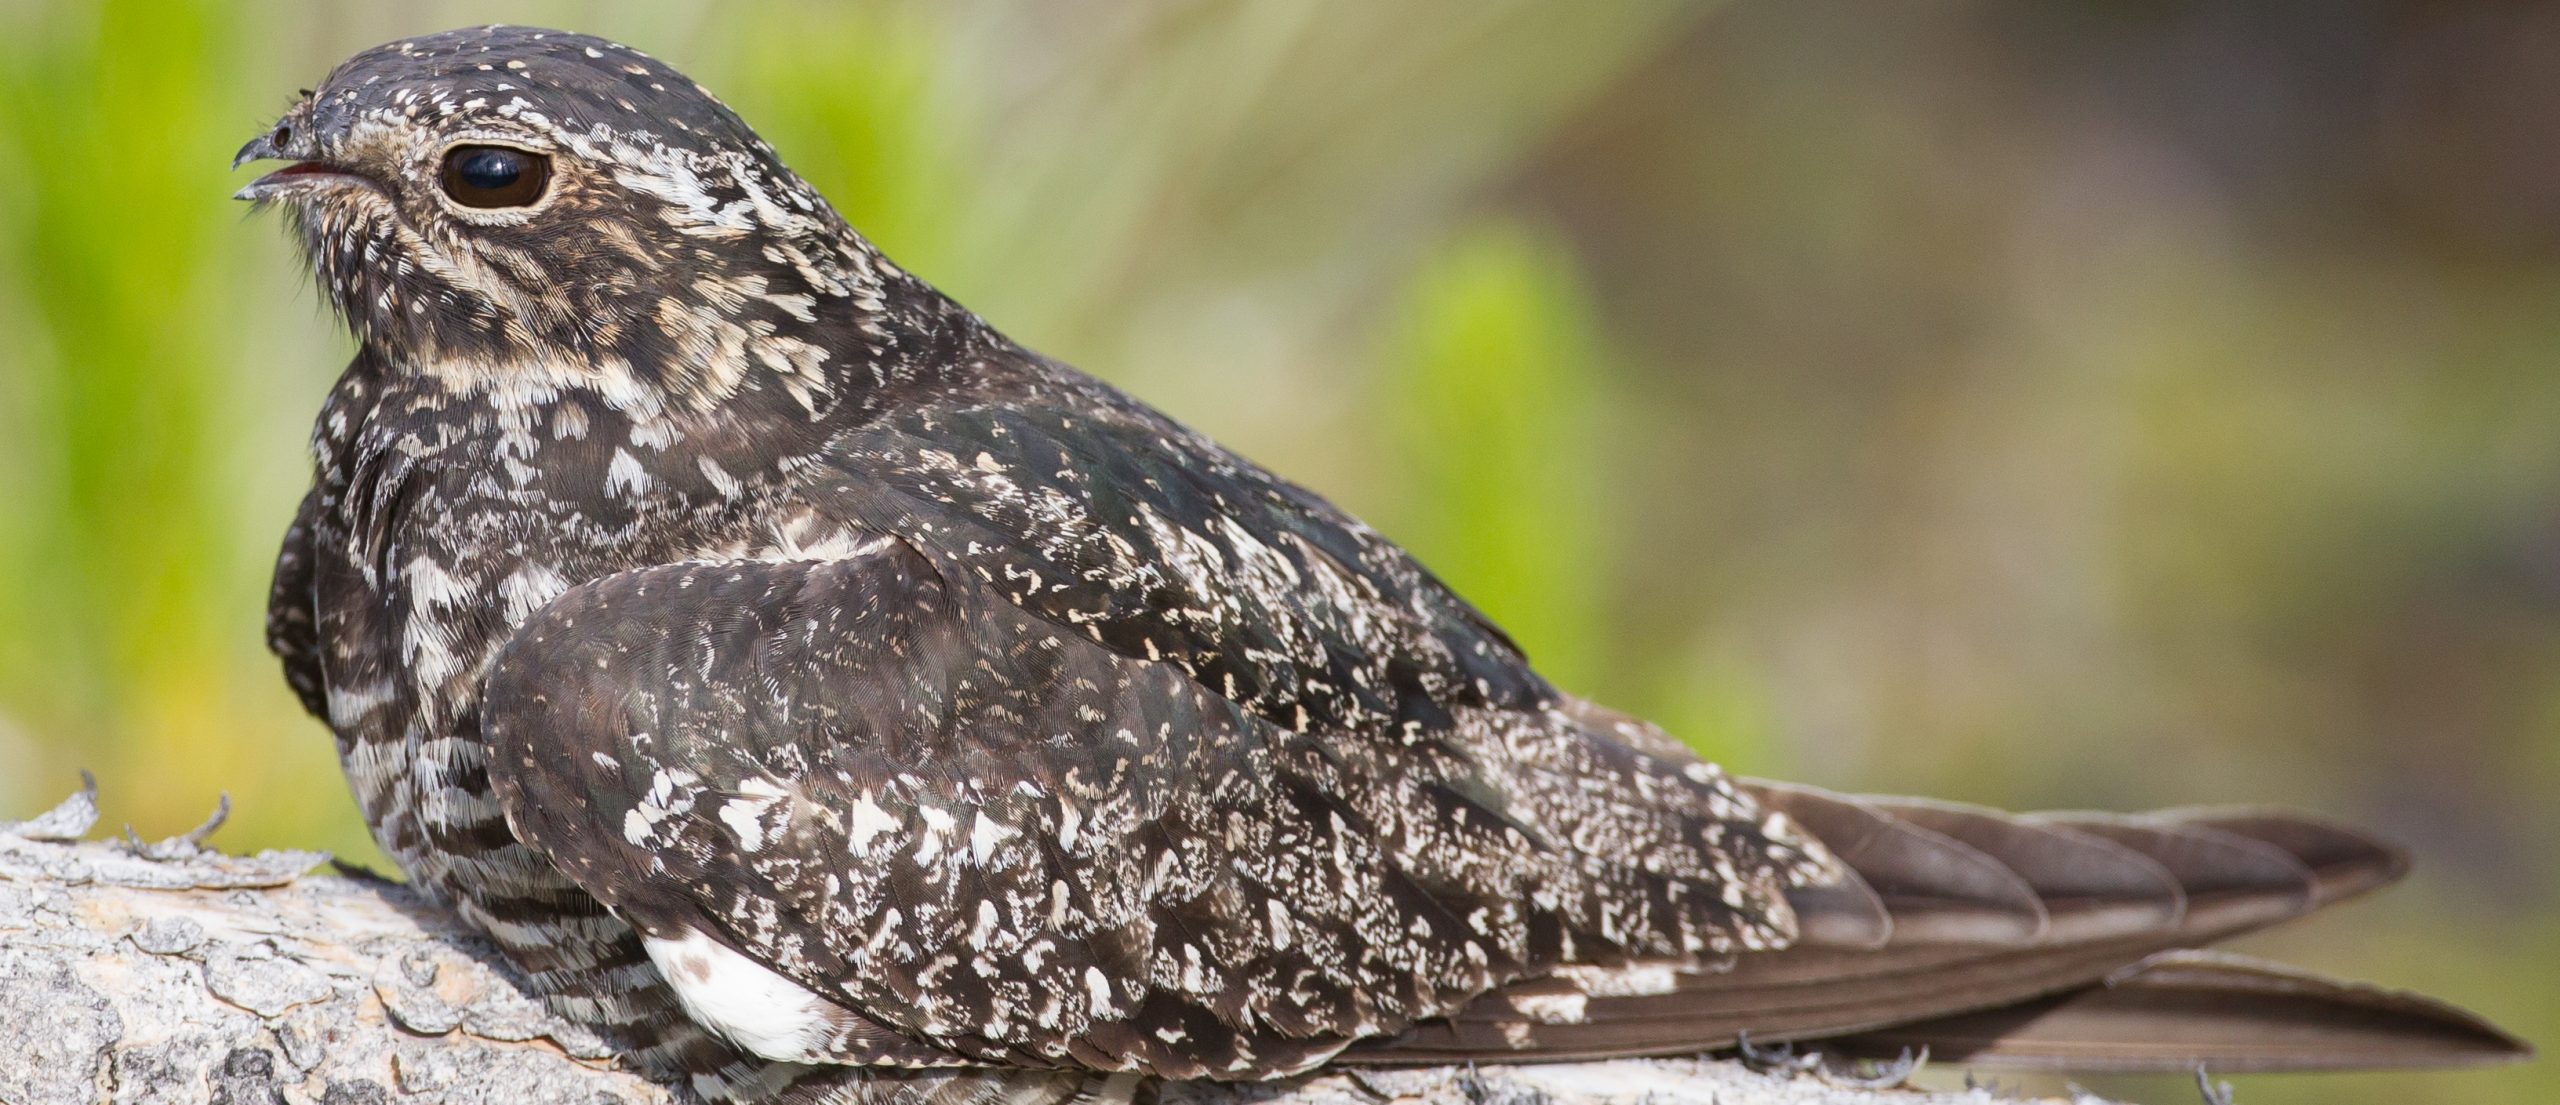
column 741, row 999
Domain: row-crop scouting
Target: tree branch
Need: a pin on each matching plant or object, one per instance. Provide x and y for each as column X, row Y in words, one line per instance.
column 171, row 972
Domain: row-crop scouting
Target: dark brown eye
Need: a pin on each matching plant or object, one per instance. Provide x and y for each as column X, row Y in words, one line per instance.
column 494, row 176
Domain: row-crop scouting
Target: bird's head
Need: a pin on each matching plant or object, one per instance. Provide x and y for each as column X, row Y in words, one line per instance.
column 510, row 205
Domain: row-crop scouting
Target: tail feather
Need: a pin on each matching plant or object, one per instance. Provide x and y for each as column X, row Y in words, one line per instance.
column 2181, row 1009
column 1958, row 924
column 2232, row 883
column 2344, row 863
column 1935, row 890
column 2091, row 888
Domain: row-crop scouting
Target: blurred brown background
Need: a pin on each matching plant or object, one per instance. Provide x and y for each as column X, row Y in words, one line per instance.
column 2034, row 403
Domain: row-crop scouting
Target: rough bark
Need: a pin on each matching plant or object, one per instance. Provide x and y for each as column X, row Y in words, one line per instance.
column 170, row 972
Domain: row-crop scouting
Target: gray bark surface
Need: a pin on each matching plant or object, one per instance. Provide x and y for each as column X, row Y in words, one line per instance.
column 173, row 973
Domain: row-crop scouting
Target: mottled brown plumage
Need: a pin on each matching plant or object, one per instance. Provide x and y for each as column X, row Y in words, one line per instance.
column 834, row 700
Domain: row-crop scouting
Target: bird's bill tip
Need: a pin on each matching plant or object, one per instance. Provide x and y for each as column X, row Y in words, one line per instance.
column 297, row 177
column 261, row 148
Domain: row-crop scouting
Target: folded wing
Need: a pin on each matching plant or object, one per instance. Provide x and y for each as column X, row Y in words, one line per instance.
column 2037, row 940
column 867, row 810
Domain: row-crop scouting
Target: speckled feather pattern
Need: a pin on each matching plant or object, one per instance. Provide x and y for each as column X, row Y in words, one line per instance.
column 676, row 563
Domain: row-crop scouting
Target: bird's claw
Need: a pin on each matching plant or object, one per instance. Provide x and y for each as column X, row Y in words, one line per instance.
column 1781, row 1058
column 1774, row 1059
column 1881, row 1074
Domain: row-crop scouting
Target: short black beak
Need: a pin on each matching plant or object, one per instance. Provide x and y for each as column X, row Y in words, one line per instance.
column 261, row 148
column 285, row 143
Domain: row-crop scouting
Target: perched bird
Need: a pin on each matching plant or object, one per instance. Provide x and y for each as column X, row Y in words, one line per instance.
column 832, row 700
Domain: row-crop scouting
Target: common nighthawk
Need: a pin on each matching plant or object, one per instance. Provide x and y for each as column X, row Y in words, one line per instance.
column 833, row 700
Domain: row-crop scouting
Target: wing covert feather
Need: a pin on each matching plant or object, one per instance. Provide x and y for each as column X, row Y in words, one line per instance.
column 1013, row 845
column 1101, row 516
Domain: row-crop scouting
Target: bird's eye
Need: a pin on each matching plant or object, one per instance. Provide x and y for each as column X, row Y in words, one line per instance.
column 495, row 176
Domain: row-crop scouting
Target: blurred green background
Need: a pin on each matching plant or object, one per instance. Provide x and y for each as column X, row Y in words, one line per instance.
column 2034, row 403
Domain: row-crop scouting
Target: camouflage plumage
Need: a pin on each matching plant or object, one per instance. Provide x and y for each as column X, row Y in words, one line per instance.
column 786, row 668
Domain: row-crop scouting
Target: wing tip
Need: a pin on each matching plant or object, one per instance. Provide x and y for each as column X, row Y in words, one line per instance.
column 2179, row 1010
